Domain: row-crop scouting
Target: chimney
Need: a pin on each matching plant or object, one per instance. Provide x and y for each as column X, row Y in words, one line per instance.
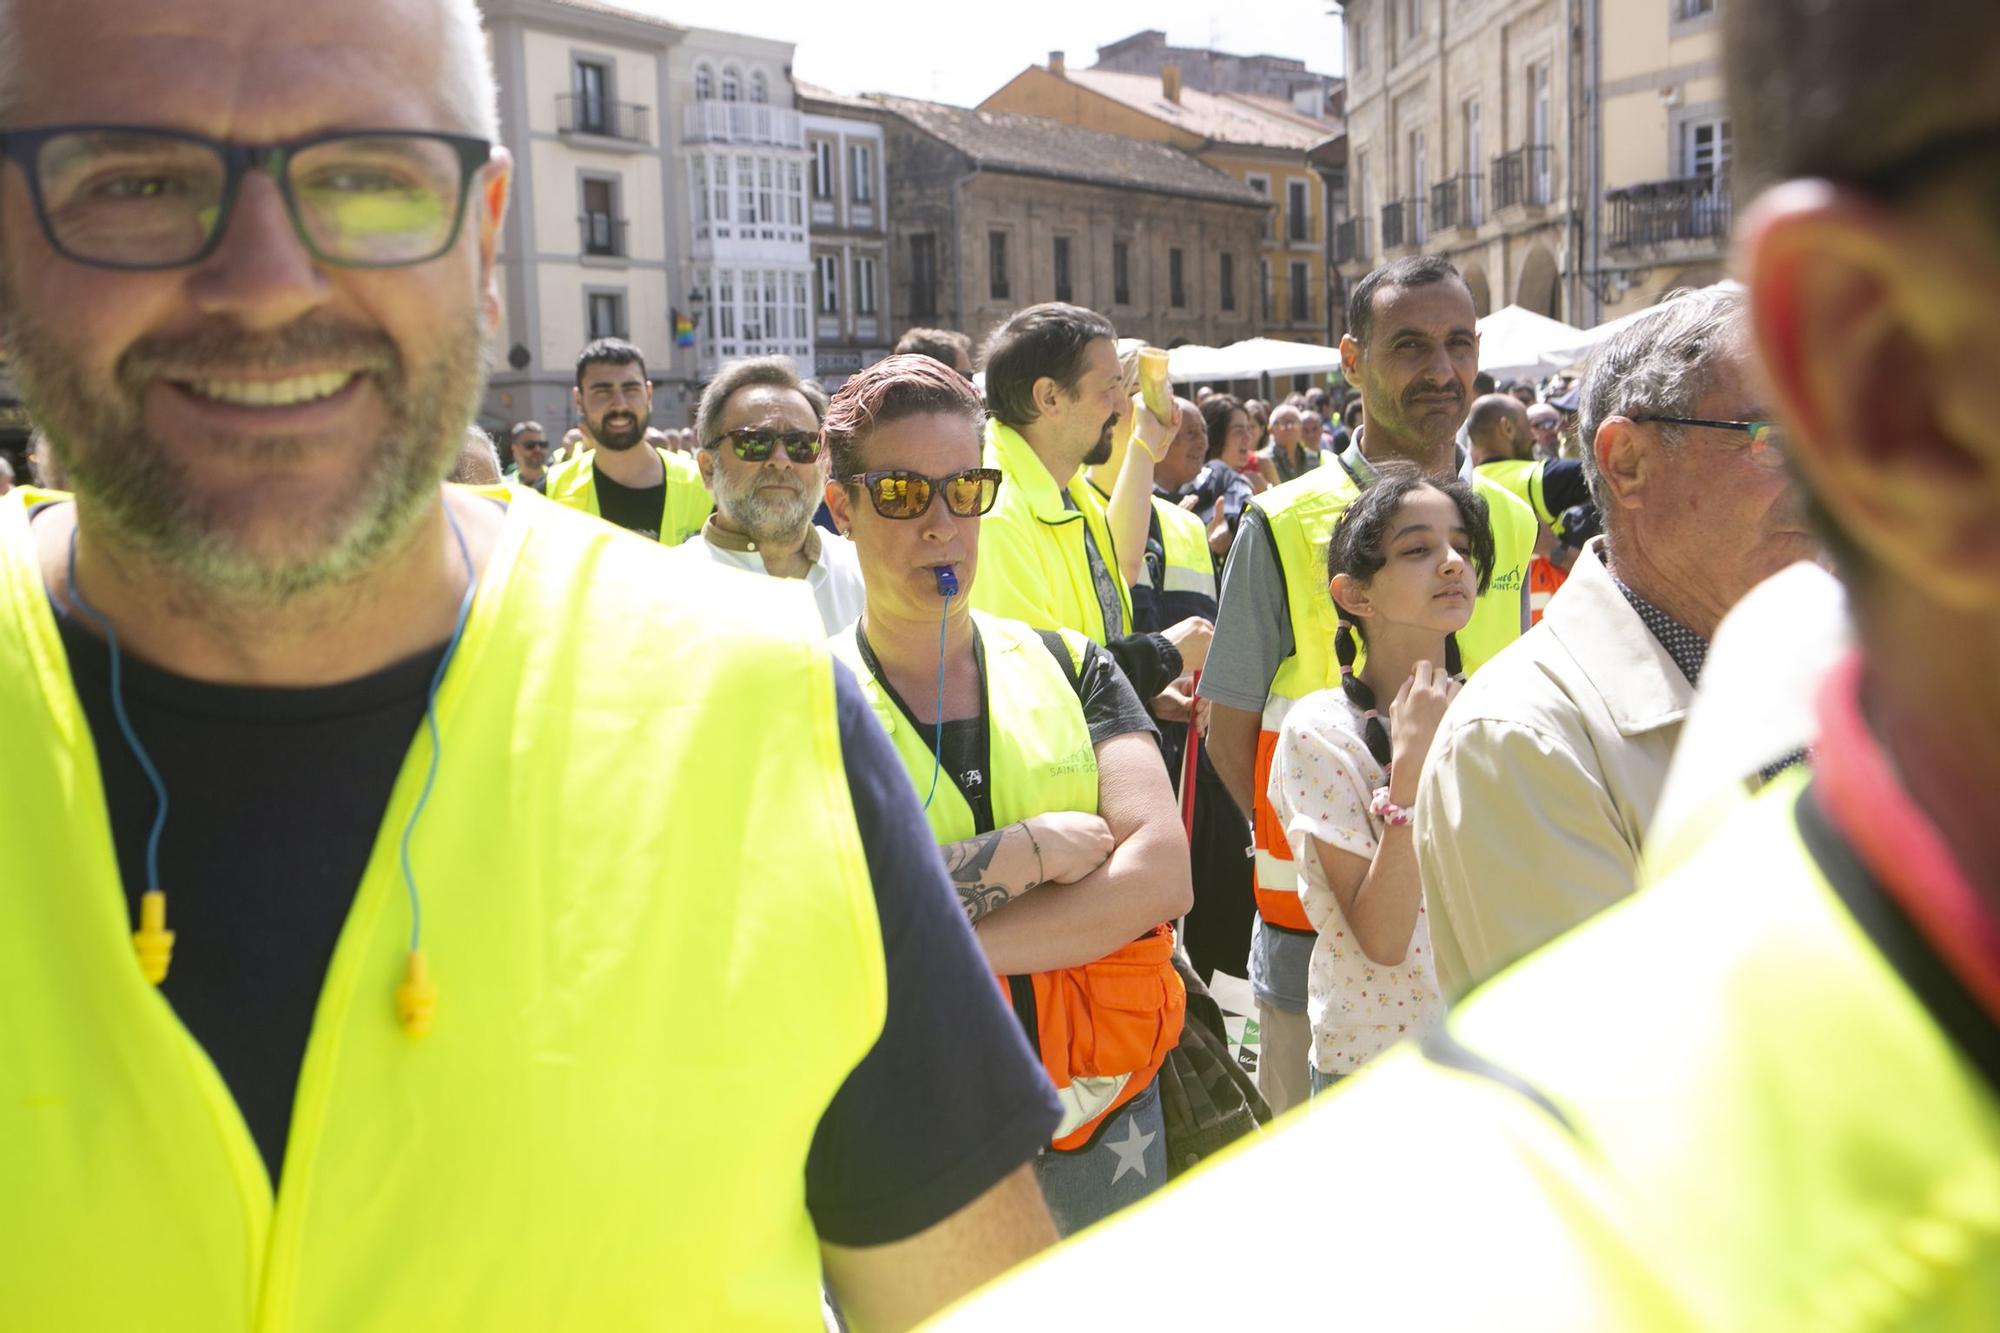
column 1170, row 83
column 1056, row 63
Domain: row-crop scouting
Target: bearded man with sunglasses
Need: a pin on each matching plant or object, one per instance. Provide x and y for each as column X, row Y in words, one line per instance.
column 760, row 454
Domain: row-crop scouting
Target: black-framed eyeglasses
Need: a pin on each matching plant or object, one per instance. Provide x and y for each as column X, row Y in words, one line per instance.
column 139, row 197
column 1767, row 438
column 900, row 493
column 754, row 446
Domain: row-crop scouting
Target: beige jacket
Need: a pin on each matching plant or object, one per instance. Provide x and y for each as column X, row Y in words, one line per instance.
column 1543, row 778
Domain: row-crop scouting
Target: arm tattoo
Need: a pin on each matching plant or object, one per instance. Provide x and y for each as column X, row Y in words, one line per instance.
column 968, row 862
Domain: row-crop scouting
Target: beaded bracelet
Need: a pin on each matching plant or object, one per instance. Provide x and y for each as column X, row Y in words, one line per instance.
column 1388, row 811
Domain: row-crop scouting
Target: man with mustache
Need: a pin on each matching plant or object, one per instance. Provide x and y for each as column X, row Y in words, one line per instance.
column 1412, row 348
column 618, row 474
column 760, row 453
column 1542, row 782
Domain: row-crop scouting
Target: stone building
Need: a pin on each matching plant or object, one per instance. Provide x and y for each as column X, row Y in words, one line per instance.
column 1261, row 141
column 1282, row 77
column 992, row 211
column 847, row 188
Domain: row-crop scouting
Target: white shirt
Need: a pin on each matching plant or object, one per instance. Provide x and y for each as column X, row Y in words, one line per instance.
column 1322, row 781
column 834, row 575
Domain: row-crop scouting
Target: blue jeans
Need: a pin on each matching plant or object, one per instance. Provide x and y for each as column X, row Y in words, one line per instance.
column 1321, row 1082
column 1128, row 1162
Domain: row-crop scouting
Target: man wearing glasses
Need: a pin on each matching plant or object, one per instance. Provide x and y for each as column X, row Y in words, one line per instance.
column 528, row 447
column 758, row 427
column 292, row 1034
column 620, row 475
column 1533, row 810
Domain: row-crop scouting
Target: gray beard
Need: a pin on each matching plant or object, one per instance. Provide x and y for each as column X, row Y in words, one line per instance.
column 145, row 502
column 766, row 519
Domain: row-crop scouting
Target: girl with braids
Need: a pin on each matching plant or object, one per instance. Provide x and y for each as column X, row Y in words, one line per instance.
column 1404, row 566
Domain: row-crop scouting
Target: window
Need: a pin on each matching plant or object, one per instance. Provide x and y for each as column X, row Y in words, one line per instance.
column 721, row 188
column 746, row 191
column 861, row 172
column 760, row 92
column 1264, row 289
column 1063, row 290
column 829, row 284
column 606, row 315
column 698, row 189
column 997, row 285
column 1262, row 185
column 704, row 83
column 1538, row 130
column 1357, row 45
column 1176, row 278
column 1705, row 148
column 600, row 217
column 1298, row 211
column 1227, row 265
column 1414, row 11
column 593, row 103
column 795, row 195
column 767, row 203
column 732, row 84
column 770, row 304
column 864, row 285
column 822, row 168
column 1301, row 293
column 1693, row 9
column 1121, row 273
column 1472, row 137
column 923, row 274
column 725, row 304
column 1420, row 170
column 799, row 299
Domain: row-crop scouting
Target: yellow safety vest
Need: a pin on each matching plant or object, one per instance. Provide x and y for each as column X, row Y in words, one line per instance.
column 1190, row 569
column 1032, row 563
column 1522, row 478
column 1041, row 759
column 1302, row 514
column 641, row 1019
column 573, row 484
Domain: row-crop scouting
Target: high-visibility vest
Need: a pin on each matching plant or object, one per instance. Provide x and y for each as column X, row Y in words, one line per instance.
column 640, row 1019
column 1032, row 562
column 1522, row 478
column 1188, row 580
column 1543, row 581
column 1103, row 1029
column 1748, row 1097
column 572, row 483
column 1302, row 514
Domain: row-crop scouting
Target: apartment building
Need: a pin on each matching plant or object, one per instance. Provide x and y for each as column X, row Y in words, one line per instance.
column 847, row 189
column 1261, row 141
column 1570, row 156
column 992, row 211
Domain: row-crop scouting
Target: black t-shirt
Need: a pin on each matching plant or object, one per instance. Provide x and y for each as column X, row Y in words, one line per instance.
column 1110, row 708
column 276, row 798
column 638, row 509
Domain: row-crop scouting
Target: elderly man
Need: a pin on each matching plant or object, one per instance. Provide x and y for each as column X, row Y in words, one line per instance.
column 1534, row 806
column 1294, row 447
column 1546, row 425
column 759, row 427
column 292, row 1029
column 618, row 473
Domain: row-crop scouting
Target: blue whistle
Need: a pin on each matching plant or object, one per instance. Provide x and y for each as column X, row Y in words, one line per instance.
column 947, row 580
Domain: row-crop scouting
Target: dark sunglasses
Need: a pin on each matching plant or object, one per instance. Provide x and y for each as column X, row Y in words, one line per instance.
column 900, row 493
column 1767, row 438
column 754, row 446
column 533, row 444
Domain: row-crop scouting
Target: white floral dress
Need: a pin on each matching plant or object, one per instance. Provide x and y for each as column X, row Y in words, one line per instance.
column 1322, row 780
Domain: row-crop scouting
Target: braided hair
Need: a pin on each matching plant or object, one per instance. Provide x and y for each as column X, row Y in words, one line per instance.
column 1358, row 550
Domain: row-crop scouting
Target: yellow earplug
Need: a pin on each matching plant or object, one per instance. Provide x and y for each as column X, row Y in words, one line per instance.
column 416, row 998
column 152, row 941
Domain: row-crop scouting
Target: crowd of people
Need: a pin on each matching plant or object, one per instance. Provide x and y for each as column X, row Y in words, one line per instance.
column 771, row 872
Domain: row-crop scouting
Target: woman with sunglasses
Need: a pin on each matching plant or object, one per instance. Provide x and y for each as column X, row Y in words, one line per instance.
column 1040, row 773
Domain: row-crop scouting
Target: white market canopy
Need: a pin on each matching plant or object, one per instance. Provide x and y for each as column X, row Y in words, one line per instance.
column 1249, row 359
column 1587, row 341
column 1515, row 342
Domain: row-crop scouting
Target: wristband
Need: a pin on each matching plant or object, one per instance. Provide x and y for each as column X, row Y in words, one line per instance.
column 1041, row 874
column 1386, row 810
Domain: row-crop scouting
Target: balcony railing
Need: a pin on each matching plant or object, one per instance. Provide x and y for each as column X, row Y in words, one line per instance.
column 602, row 234
column 582, row 113
column 1455, row 203
column 1392, row 225
column 1350, row 241
column 1523, row 177
column 1692, row 208
column 743, row 122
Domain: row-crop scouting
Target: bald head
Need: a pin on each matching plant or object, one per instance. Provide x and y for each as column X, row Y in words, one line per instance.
column 1498, row 425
